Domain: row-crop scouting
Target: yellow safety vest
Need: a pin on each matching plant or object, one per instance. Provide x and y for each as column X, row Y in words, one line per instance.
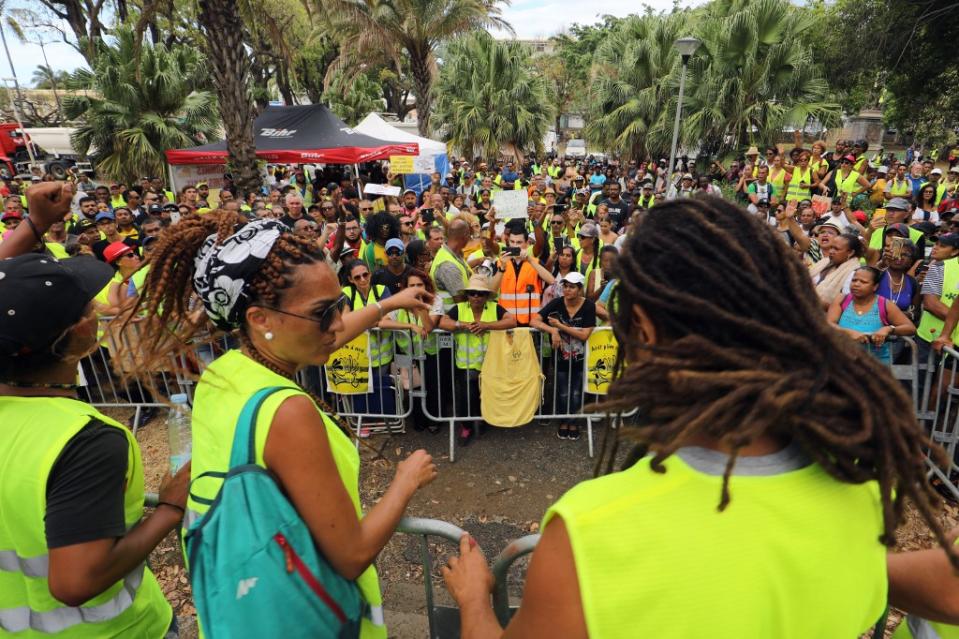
column 470, row 349
column 794, row 191
column 33, row 434
column 656, row 558
column 554, row 171
column 446, row 255
column 779, row 181
column 381, row 344
column 221, row 393
column 418, row 345
column 848, row 184
column 930, row 326
column 897, row 189
column 117, row 201
column 859, row 164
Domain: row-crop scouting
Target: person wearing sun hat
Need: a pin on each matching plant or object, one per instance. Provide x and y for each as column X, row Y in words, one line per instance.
column 74, row 476
column 471, row 321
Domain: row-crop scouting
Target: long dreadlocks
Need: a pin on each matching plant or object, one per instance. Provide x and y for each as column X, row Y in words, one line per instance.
column 744, row 350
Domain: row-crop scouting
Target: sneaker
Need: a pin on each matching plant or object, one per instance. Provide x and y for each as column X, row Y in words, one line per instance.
column 563, row 431
column 364, row 432
column 573, row 433
column 465, row 436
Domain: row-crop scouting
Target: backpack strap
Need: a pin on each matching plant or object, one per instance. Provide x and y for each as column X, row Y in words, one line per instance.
column 846, row 301
column 882, row 310
column 244, row 439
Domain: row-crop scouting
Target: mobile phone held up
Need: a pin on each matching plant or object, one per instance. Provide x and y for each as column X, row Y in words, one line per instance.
column 512, row 251
column 427, row 216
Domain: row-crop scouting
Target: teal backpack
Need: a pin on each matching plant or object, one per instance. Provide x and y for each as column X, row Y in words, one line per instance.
column 254, row 568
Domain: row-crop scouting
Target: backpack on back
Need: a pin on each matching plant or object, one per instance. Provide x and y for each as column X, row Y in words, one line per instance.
column 253, row 565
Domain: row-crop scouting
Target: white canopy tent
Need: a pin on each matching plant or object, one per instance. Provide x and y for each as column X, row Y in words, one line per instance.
column 375, row 126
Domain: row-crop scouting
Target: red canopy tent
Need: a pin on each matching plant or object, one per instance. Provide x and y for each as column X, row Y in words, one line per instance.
column 301, row 134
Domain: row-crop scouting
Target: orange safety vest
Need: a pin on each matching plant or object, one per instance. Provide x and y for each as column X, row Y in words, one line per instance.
column 516, row 296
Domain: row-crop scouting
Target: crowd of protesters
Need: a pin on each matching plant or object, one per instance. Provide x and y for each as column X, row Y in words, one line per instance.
column 877, row 239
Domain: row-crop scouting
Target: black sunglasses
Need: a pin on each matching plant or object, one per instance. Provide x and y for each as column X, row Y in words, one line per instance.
column 323, row 316
column 476, row 293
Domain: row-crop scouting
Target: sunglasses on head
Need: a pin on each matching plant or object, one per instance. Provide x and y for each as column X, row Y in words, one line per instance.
column 323, row 316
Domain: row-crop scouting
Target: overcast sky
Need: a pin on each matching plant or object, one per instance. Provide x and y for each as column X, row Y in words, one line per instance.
column 530, row 19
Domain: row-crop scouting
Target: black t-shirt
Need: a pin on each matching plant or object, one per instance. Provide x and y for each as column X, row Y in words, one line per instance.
column 618, row 211
column 101, row 245
column 454, row 313
column 290, row 221
column 386, row 277
column 85, row 488
column 585, row 317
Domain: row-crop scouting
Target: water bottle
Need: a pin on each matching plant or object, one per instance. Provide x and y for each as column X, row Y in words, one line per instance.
column 178, row 432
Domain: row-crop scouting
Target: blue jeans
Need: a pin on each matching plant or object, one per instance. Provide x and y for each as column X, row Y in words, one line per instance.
column 569, row 387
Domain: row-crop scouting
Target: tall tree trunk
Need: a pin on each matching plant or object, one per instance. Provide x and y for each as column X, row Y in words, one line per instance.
column 422, row 84
column 231, row 68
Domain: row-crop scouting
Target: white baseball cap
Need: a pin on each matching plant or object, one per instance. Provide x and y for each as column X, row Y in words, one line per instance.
column 935, row 172
column 574, row 277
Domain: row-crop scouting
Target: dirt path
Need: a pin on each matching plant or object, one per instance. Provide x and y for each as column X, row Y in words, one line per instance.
column 498, row 490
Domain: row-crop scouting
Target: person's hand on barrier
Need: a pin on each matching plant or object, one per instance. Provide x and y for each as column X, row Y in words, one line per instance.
column 49, row 202
column 467, row 575
column 554, row 339
column 554, row 322
column 862, row 338
column 411, row 299
column 417, row 470
column 940, row 343
column 477, row 327
column 175, row 488
column 879, row 337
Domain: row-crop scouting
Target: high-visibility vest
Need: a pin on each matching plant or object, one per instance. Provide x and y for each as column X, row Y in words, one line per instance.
column 913, row 627
column 816, row 166
column 381, row 342
column 33, row 433
column 520, row 295
column 446, row 255
column 859, row 164
column 940, row 191
column 645, row 203
column 470, row 349
column 794, row 191
column 417, row 345
column 900, row 189
column 117, row 201
column 930, row 326
column 224, row 388
column 593, row 263
column 554, row 171
column 848, row 184
column 787, row 544
column 779, row 181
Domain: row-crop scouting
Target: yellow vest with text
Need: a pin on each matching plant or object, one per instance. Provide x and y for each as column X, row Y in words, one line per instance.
column 442, row 256
column 221, row 393
column 794, row 555
column 33, row 434
column 470, row 349
column 381, row 342
column 930, row 326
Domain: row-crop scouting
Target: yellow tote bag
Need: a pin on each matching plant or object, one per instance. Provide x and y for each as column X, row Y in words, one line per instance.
column 511, row 382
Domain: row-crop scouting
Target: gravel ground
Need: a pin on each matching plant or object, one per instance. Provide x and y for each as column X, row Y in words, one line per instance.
column 514, row 471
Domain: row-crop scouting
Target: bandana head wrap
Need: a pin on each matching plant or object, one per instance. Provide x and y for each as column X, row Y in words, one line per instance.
column 223, row 271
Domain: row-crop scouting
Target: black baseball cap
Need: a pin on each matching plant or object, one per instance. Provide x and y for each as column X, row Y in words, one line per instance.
column 949, row 239
column 41, row 297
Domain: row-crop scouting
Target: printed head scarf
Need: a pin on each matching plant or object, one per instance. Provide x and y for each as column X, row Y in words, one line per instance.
column 223, row 271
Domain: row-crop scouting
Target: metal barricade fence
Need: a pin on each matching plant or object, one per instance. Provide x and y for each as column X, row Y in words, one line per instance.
column 114, row 376
column 943, row 394
column 501, row 565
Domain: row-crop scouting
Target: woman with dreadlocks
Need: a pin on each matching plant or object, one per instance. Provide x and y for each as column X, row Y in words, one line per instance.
column 771, row 484
column 283, row 300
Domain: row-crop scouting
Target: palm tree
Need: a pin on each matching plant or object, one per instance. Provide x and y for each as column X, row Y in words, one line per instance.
column 489, row 95
column 353, row 99
column 630, row 90
column 412, row 29
column 754, row 74
column 46, row 78
column 230, row 62
column 140, row 108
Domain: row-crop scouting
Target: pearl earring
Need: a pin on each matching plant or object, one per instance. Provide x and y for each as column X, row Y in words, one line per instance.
column 268, row 335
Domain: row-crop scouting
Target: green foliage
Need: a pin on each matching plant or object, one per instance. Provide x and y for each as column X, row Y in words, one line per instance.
column 753, row 75
column 45, row 78
column 489, row 95
column 353, row 100
column 140, row 108
column 631, row 86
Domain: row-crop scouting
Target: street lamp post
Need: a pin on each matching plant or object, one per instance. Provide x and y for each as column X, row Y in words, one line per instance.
column 686, row 48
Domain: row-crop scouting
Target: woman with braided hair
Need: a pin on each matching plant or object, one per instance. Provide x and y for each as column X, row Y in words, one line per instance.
column 278, row 293
column 779, row 458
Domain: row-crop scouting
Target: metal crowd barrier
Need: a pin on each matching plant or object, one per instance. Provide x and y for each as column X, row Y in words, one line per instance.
column 444, row 621
column 501, row 565
column 941, row 397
